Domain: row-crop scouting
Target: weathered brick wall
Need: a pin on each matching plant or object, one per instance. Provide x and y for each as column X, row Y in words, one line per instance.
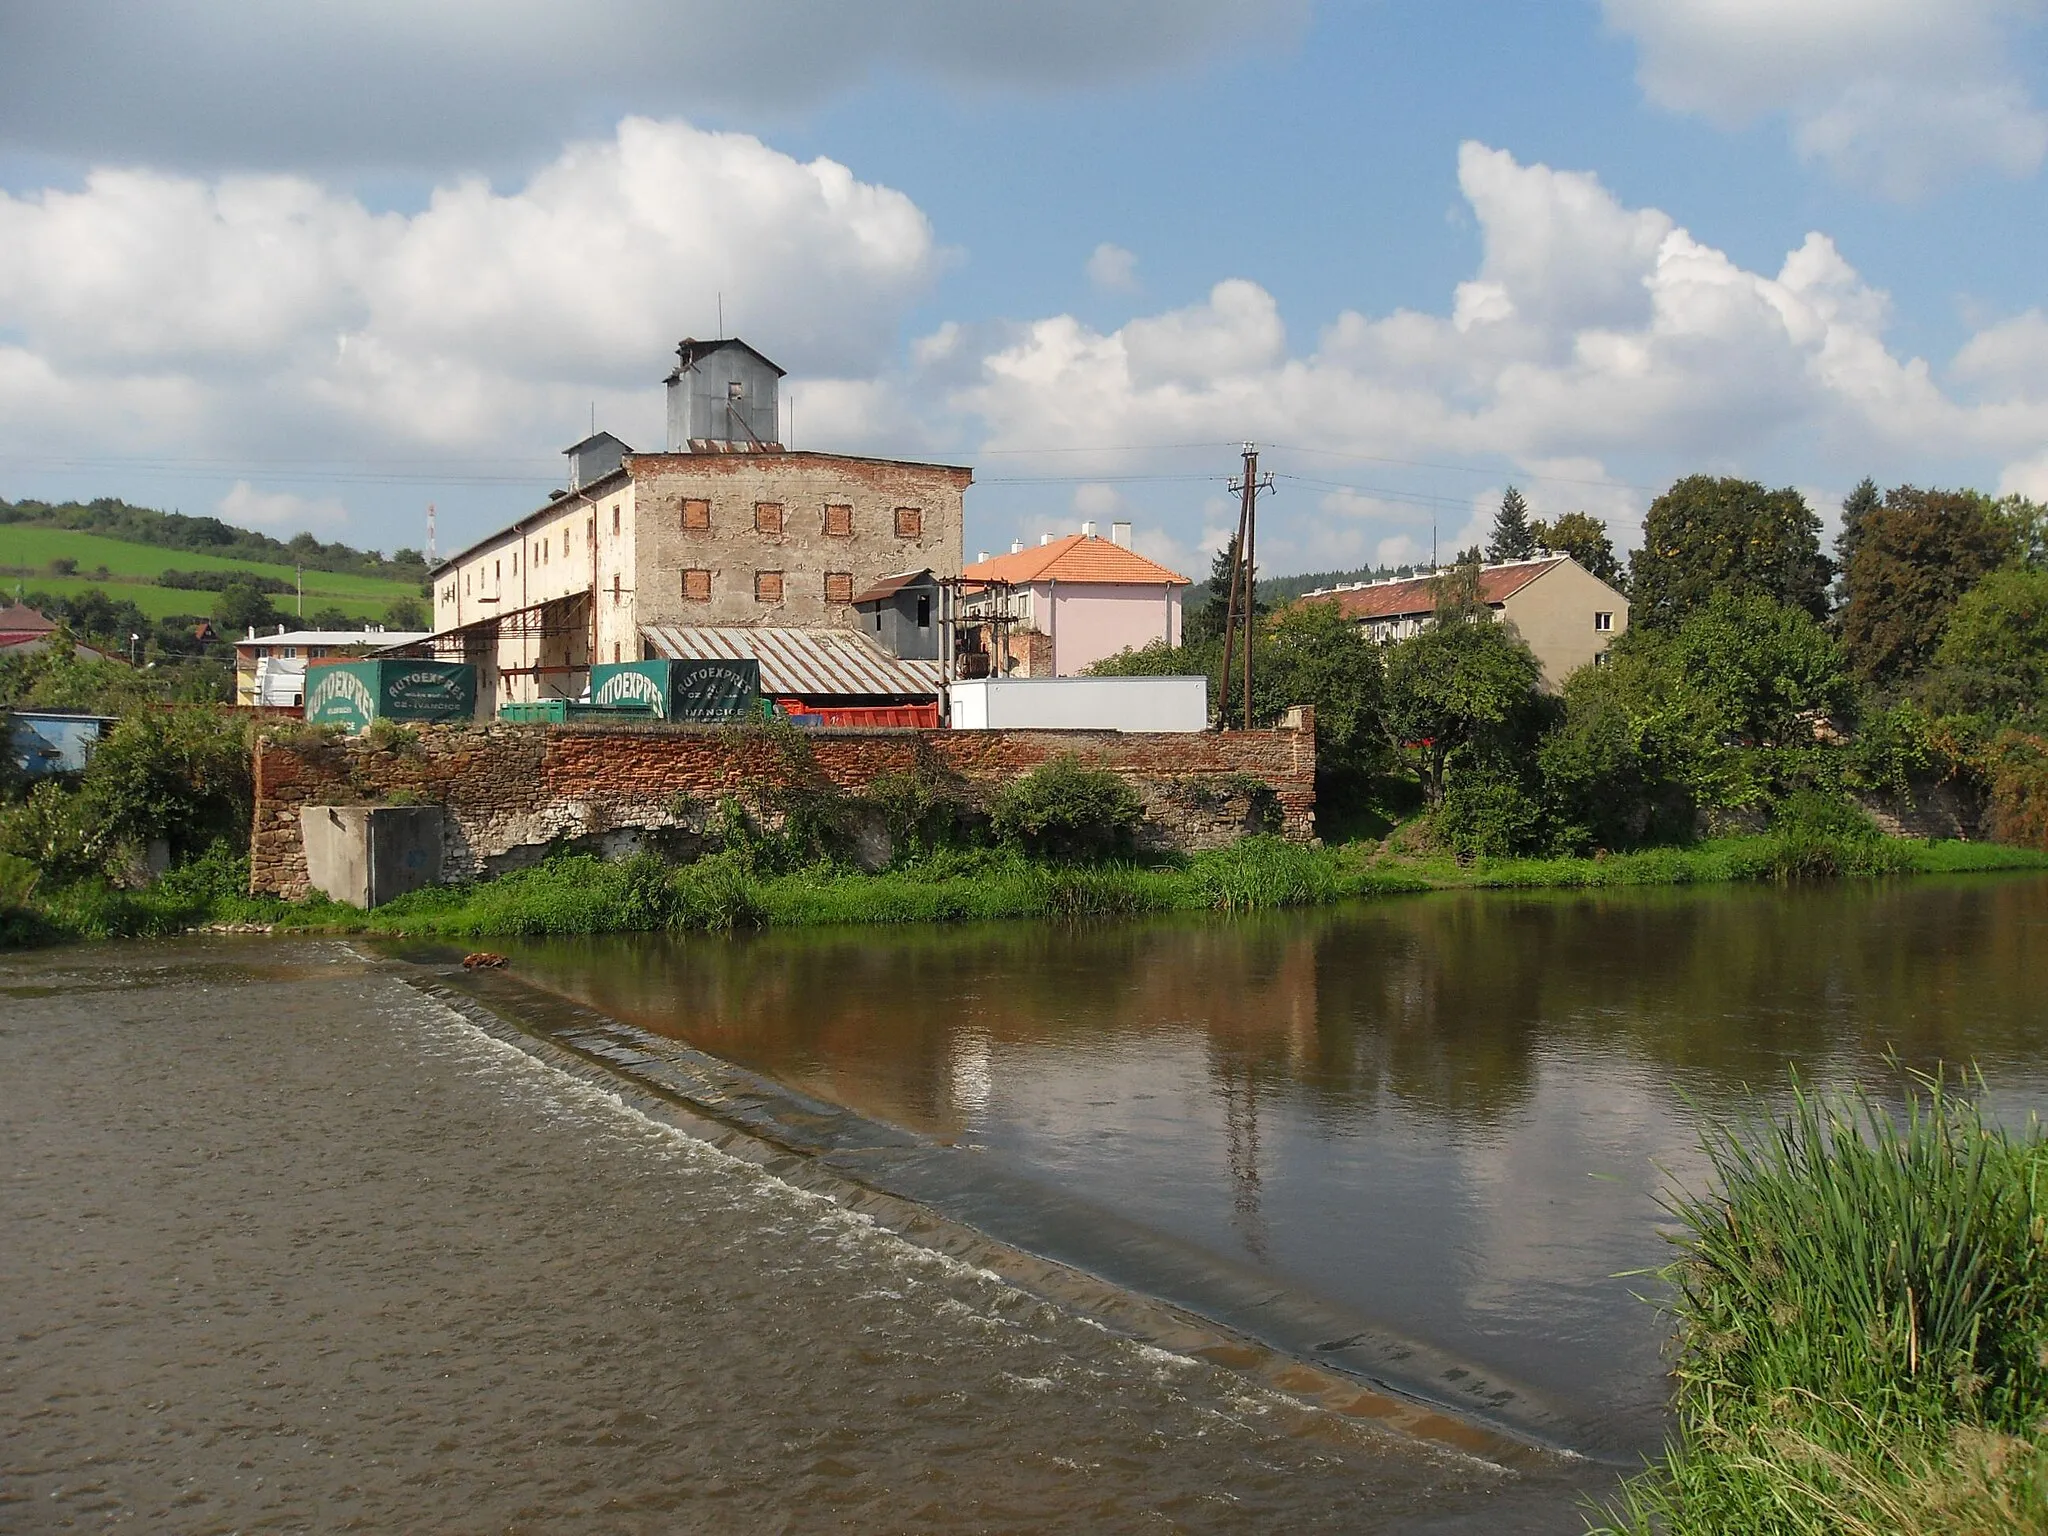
column 512, row 791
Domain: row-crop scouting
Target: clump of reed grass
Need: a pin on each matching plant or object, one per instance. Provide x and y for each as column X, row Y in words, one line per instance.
column 1862, row 1313
column 1263, row 872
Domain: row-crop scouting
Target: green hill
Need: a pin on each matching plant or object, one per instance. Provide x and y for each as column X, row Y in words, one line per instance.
column 69, row 564
column 115, row 519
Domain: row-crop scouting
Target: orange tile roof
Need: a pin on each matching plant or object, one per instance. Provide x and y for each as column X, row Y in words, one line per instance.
column 1077, row 557
column 1403, row 599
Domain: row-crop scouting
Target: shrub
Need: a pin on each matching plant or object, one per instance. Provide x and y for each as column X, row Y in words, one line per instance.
column 1862, row 1327
column 1066, row 810
column 180, row 774
column 18, row 879
column 1489, row 817
column 715, row 894
column 57, row 831
column 2019, row 789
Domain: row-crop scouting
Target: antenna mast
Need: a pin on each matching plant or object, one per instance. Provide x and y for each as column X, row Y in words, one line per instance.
column 430, row 536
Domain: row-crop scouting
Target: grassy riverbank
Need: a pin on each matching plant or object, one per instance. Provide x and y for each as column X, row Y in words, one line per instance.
column 1862, row 1311
column 567, row 895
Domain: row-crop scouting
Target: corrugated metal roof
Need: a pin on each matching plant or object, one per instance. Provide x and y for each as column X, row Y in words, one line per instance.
column 801, row 663
column 1413, row 595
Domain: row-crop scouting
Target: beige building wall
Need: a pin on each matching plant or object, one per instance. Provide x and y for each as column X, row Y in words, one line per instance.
column 631, row 538
column 828, row 526
column 1559, row 614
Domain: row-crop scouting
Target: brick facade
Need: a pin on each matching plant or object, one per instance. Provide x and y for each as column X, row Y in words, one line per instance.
column 512, row 791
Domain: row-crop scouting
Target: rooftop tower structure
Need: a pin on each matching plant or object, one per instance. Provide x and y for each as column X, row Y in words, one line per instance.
column 723, row 397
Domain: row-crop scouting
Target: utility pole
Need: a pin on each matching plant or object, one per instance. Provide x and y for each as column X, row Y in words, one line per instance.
column 1243, row 581
column 302, row 593
column 430, row 535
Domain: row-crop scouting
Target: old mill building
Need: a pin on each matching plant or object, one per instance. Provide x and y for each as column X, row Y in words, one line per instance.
column 723, row 532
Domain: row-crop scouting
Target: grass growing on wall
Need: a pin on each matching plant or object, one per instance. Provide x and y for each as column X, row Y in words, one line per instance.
column 1862, row 1308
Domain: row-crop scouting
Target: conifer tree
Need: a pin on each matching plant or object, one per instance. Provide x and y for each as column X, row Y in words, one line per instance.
column 1512, row 537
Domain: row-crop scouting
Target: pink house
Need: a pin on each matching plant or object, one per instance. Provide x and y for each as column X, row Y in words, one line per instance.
column 1054, row 610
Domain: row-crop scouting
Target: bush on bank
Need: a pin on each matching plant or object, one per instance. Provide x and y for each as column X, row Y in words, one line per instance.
column 1862, row 1310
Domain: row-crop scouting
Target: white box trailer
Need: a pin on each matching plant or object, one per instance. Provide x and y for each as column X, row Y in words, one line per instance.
column 1080, row 704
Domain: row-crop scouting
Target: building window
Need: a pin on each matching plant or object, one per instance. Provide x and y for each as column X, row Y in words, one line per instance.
column 615, row 519
column 768, row 517
column 838, row 521
column 515, row 562
column 839, row 586
column 767, row 586
column 909, row 522
column 697, row 586
column 924, row 613
column 615, row 650
column 1600, row 658
column 696, row 515
column 615, row 591
column 1603, row 622
column 565, row 543
column 497, row 571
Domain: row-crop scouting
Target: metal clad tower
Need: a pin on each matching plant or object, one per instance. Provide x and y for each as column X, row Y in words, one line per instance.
column 724, row 395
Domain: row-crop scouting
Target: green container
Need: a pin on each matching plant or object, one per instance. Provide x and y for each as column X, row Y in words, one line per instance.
column 695, row 691
column 556, row 711
column 353, row 693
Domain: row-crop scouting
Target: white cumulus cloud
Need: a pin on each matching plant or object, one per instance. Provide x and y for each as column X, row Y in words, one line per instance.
column 1113, row 269
column 247, row 507
column 244, row 310
column 1893, row 94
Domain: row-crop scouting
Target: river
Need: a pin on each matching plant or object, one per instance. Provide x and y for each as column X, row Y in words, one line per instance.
column 292, row 1245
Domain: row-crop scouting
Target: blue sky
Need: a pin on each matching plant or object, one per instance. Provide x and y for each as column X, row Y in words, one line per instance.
column 406, row 257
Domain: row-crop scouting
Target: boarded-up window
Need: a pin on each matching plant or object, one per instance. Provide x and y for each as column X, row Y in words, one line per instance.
column 697, row 586
column 768, row 517
column 696, row 515
column 615, row 591
column 615, row 518
column 839, row 586
column 767, row 586
column 909, row 522
column 838, row 521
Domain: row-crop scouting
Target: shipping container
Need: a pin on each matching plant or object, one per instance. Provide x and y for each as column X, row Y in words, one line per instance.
column 353, row 693
column 703, row 692
column 1080, row 704
column 559, row 711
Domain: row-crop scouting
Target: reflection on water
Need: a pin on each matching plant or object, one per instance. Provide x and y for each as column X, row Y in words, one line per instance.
column 1448, row 1113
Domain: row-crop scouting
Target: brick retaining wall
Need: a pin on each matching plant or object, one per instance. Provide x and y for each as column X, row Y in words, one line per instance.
column 513, row 791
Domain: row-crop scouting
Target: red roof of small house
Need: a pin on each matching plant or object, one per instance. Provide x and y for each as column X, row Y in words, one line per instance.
column 19, row 623
column 1079, row 557
column 1417, row 594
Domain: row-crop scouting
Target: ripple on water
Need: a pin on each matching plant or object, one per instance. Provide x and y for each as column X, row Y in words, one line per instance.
column 294, row 1248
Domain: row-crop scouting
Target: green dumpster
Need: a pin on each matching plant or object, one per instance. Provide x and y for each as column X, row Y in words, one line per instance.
column 695, row 691
column 353, row 693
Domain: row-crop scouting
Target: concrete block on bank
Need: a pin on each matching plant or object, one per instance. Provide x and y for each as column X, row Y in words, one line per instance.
column 368, row 854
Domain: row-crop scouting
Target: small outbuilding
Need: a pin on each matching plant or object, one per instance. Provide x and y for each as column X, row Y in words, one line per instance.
column 901, row 615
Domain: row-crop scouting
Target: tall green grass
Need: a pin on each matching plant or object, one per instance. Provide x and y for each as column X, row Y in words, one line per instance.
column 1862, row 1310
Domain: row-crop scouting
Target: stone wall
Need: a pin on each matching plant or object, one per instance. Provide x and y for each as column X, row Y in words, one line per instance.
column 513, row 791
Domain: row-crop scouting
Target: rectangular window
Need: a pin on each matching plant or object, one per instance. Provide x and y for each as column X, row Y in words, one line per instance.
column 838, row 521
column 767, row 586
column 839, row 586
column 565, row 543
column 1603, row 622
column 768, row 517
column 1600, row 658
column 497, row 570
column 515, row 562
column 697, row 586
column 696, row 515
column 909, row 522
column 615, row 591
column 615, row 519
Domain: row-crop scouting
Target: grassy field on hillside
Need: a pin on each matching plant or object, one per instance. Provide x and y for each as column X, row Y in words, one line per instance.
column 132, row 567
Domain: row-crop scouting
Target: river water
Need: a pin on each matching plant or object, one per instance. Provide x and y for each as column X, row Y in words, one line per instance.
column 1448, row 1118
column 290, row 1245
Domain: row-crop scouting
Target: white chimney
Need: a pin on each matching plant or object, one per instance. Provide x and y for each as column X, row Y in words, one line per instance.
column 1088, row 530
column 981, row 557
column 1044, row 539
column 1120, row 533
column 1016, row 546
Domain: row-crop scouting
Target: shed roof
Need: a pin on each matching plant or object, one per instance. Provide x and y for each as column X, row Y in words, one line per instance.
column 379, row 638
column 691, row 351
column 1409, row 596
column 801, row 663
column 1080, row 557
column 888, row 586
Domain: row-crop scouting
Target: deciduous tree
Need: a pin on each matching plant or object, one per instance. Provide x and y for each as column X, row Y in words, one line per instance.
column 1914, row 558
column 1452, row 687
column 1709, row 534
column 1585, row 539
